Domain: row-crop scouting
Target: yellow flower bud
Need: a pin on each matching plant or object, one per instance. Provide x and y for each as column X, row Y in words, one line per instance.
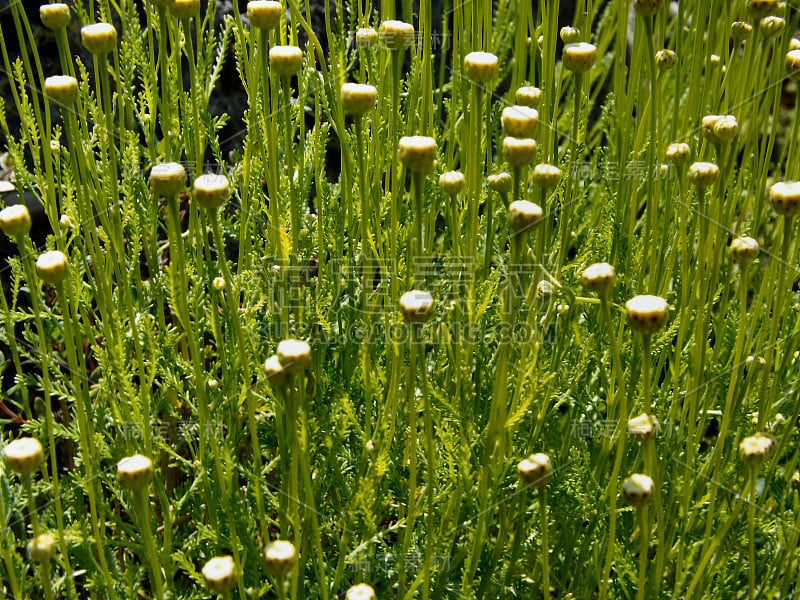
column 294, row 355
column 579, row 57
column 642, row 427
column 638, row 490
column 784, row 197
column 416, row 306
column 264, row 14
column 522, row 216
column 417, row 153
column 219, row 574
column 42, row 548
column 396, row 35
column 167, row 179
column 519, row 152
column 366, row 37
column 666, row 59
column 61, row 89
column 793, row 64
column 741, row 30
column 678, row 153
column 599, row 278
column 758, row 9
column 452, row 182
column 703, row 174
column 54, row 16
column 358, row 98
column 744, row 249
column 99, row 38
column 570, row 35
column 755, row 449
column 15, row 220
column 500, row 182
column 546, row 175
column 362, row 591
column 280, row 557
column 772, row 26
column 646, row 314
column 23, row 455
column 52, row 267
column 285, row 60
column 519, row 121
column 480, row 67
column 528, row 95
column 536, row 470
column 135, row 472
column 211, row 191
column 184, row 9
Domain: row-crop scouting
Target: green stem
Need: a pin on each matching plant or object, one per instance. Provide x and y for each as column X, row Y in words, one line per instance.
column 545, row 542
column 644, row 544
column 142, row 509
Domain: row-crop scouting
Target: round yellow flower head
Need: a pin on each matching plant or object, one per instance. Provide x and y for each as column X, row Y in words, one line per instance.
column 666, row 59
column 536, row 470
column 61, row 89
column 529, row 96
column 167, row 179
column 784, row 197
column 678, row 153
column 452, row 182
column 362, row 591
column 703, row 174
column 54, row 16
column 23, row 455
column 772, row 26
column 366, row 37
column 570, row 35
column 480, row 67
column 599, row 278
column 519, row 121
column 642, row 427
column 755, row 449
column 416, row 306
column 793, row 64
column 396, row 35
column 638, row 489
column 285, row 60
column 135, row 472
column 275, row 372
column 99, row 38
column 646, row 314
column 417, row 153
column 219, row 574
column 744, row 249
column 546, row 175
column 42, row 548
column 184, row 9
column 264, row 14
column 52, row 267
column 358, row 98
column 578, row 57
column 523, row 215
column 15, row 220
column 519, row 152
column 280, row 557
column 758, row 9
column 294, row 355
column 500, row 182
column 211, row 190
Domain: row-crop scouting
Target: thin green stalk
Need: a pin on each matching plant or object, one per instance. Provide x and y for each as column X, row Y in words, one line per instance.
column 644, row 545
column 570, row 196
column 142, row 509
column 544, row 542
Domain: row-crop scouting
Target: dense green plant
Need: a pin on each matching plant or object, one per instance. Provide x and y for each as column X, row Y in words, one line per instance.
column 420, row 376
